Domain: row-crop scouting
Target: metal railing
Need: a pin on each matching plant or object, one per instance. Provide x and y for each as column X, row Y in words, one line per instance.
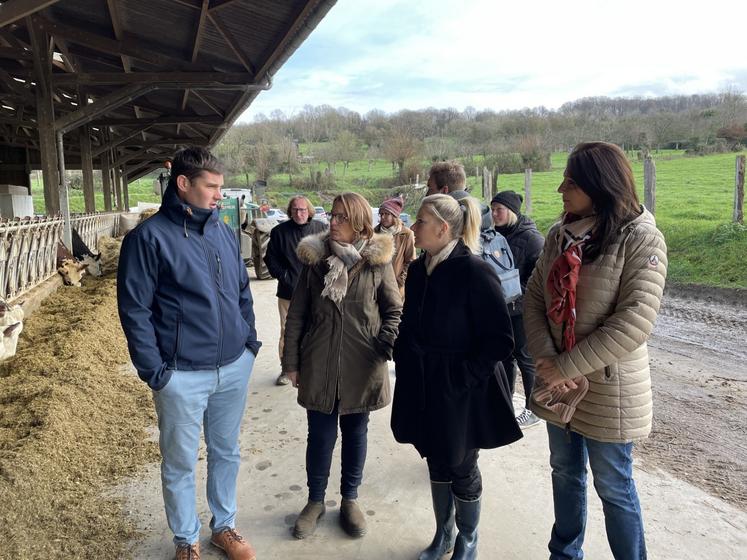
column 28, row 247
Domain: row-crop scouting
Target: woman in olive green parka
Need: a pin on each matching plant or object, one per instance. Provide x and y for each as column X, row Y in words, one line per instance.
column 340, row 332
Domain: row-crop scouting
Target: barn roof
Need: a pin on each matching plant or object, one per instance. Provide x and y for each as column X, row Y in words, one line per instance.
column 144, row 76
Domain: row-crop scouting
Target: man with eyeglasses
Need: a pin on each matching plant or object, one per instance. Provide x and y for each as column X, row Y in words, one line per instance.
column 281, row 259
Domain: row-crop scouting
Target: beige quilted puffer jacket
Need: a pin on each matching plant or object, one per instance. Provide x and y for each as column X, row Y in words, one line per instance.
column 618, row 298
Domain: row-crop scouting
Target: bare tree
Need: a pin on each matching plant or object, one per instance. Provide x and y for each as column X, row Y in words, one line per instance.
column 348, row 148
column 399, row 146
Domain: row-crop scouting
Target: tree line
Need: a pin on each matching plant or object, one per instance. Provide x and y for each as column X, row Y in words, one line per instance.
column 508, row 141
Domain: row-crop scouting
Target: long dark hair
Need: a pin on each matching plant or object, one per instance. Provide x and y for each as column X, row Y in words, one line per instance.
column 603, row 172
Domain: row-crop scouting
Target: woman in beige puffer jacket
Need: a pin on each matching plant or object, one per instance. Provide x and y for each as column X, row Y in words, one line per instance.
column 589, row 308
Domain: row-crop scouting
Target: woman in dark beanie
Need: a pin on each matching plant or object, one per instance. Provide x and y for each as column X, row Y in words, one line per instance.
column 451, row 398
column 404, row 240
column 589, row 308
column 526, row 244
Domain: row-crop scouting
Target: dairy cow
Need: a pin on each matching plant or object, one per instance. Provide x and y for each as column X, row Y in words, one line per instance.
column 11, row 325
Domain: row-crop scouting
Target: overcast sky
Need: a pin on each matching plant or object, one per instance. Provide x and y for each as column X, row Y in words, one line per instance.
column 400, row 54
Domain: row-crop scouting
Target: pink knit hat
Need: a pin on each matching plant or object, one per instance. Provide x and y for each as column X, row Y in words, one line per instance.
column 393, row 205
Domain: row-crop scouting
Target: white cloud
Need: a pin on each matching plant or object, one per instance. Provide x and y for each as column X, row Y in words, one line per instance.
column 392, row 55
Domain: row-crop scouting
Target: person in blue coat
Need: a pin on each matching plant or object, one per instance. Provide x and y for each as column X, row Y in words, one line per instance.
column 187, row 313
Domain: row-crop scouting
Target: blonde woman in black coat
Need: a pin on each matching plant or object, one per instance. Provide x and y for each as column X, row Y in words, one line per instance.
column 452, row 397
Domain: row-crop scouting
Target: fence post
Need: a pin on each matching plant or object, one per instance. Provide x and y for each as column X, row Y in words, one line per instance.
column 649, row 184
column 739, row 191
column 528, row 191
column 494, row 186
column 487, row 180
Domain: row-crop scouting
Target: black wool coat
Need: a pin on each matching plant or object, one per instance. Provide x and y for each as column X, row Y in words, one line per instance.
column 451, row 393
column 281, row 258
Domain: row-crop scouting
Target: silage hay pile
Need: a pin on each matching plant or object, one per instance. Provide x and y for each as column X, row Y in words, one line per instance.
column 108, row 248
column 72, row 423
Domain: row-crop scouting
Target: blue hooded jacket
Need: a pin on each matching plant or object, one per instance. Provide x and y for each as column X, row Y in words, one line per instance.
column 183, row 293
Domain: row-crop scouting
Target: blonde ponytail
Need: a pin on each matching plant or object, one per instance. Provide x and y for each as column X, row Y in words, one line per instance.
column 472, row 221
column 463, row 217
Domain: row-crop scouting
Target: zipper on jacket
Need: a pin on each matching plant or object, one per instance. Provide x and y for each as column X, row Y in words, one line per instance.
column 607, row 373
column 219, row 280
column 220, row 305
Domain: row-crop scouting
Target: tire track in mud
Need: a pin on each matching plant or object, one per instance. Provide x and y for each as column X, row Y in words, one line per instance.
column 699, row 379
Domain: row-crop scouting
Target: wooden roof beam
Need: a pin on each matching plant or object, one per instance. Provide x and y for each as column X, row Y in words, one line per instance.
column 124, row 47
column 218, row 4
column 192, row 78
column 101, row 105
column 234, row 46
column 118, row 141
column 211, row 106
column 70, row 63
column 13, row 11
column 155, row 121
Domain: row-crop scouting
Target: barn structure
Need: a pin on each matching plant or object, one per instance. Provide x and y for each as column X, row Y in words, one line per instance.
column 118, row 86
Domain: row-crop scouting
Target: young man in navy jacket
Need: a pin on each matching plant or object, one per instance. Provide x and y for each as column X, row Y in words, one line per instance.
column 187, row 312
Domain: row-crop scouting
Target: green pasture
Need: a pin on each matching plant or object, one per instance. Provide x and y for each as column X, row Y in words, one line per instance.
column 694, row 200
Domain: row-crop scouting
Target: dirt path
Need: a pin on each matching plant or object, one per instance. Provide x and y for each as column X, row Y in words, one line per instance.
column 699, row 374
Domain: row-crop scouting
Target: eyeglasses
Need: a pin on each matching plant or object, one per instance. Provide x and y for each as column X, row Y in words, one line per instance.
column 340, row 218
column 299, row 210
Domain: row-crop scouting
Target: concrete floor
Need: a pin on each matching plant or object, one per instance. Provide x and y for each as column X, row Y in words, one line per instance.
column 682, row 522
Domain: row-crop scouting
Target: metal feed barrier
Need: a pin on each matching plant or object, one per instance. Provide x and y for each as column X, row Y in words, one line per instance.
column 28, row 247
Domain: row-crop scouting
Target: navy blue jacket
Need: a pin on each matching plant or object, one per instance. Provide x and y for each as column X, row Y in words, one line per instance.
column 183, row 293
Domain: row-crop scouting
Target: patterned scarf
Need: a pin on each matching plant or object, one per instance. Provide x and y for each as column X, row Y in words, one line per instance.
column 563, row 277
column 342, row 259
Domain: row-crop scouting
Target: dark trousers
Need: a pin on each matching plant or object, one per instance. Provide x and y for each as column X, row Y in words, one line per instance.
column 522, row 358
column 466, row 480
column 321, row 443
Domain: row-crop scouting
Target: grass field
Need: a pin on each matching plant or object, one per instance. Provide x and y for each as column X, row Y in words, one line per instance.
column 694, row 200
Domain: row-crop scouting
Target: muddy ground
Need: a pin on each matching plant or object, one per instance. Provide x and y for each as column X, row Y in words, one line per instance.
column 699, row 375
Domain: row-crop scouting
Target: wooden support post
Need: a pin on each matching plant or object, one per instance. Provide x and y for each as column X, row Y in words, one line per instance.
column 739, row 191
column 118, row 187
column 649, row 184
column 126, row 189
column 45, row 116
column 86, row 166
column 494, row 186
column 527, row 191
column 86, row 158
column 106, row 181
column 67, row 235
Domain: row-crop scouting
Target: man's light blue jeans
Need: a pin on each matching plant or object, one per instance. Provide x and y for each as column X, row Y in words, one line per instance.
column 213, row 399
column 612, row 467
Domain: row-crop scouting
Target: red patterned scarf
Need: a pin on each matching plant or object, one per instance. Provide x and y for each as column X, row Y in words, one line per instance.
column 563, row 276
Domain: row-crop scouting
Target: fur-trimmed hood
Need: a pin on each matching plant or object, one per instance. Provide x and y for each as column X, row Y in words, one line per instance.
column 379, row 250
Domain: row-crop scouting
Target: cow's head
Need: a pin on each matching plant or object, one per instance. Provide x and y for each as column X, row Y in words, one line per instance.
column 71, row 272
column 9, row 341
column 93, row 264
